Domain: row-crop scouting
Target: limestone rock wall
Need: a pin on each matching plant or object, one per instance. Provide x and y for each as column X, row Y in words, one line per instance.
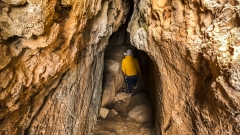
column 51, row 63
column 113, row 78
column 195, row 47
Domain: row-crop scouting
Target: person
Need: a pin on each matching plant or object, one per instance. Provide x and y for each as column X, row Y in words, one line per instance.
column 131, row 70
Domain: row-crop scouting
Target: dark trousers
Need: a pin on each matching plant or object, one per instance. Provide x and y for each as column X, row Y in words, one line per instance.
column 131, row 81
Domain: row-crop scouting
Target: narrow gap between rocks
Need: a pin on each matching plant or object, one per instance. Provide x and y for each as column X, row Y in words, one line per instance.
column 123, row 113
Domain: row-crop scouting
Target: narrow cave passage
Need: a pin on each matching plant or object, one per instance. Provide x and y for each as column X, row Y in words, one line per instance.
column 123, row 113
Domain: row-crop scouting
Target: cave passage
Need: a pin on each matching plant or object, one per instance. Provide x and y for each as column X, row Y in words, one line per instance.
column 114, row 82
column 128, row 108
column 113, row 79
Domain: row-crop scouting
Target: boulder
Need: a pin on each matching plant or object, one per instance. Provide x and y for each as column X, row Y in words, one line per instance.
column 141, row 113
column 138, row 99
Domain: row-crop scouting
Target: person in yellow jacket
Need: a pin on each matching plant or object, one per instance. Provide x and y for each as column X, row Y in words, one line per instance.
column 131, row 69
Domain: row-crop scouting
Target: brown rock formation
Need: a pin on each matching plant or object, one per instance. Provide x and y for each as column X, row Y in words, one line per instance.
column 52, row 52
column 194, row 45
column 52, row 62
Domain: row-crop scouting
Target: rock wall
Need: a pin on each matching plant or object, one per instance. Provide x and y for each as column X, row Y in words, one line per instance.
column 113, row 78
column 51, row 63
column 195, row 47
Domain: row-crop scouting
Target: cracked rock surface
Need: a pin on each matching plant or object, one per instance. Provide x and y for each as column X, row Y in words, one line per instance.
column 52, row 62
column 195, row 48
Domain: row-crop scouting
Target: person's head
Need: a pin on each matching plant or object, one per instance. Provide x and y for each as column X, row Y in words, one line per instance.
column 128, row 53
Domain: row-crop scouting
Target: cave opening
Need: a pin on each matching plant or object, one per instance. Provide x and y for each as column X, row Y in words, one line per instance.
column 115, row 100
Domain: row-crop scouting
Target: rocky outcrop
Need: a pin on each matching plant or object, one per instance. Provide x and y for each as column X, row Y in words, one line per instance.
column 194, row 45
column 52, row 62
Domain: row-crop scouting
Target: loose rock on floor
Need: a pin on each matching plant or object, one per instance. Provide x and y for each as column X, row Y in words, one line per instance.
column 118, row 122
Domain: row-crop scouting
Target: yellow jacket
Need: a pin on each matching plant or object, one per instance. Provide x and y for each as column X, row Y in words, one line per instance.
column 130, row 66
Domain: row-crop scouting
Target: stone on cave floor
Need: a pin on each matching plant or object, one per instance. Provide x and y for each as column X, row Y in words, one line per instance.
column 122, row 96
column 138, row 99
column 117, row 121
column 141, row 113
column 113, row 112
column 104, row 112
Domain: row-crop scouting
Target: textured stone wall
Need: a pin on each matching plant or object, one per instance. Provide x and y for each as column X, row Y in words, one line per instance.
column 51, row 63
column 52, row 52
column 195, row 47
column 113, row 78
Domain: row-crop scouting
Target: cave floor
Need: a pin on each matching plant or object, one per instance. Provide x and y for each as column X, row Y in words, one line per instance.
column 121, row 124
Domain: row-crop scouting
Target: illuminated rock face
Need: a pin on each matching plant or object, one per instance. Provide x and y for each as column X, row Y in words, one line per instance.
column 195, row 47
column 52, row 52
column 52, row 61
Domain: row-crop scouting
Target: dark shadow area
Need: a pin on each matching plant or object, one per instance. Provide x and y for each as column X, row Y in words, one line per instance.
column 204, row 84
column 12, row 40
column 237, row 21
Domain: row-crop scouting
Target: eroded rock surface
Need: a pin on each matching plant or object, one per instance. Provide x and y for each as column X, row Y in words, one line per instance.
column 52, row 52
column 195, row 48
column 52, row 62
